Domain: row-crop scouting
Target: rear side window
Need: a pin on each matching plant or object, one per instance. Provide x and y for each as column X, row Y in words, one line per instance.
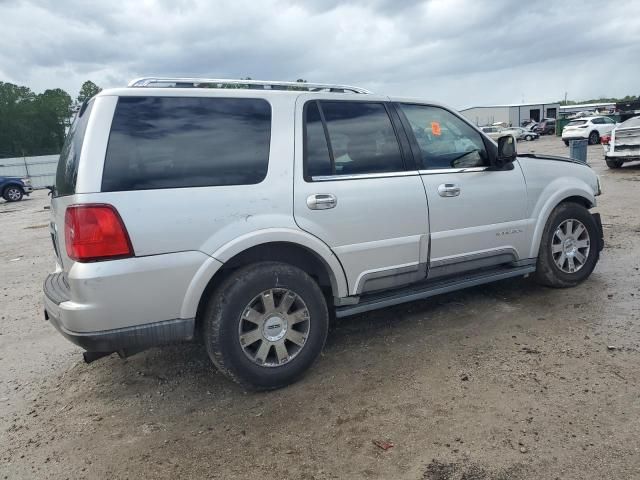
column 167, row 142
column 67, row 171
column 361, row 139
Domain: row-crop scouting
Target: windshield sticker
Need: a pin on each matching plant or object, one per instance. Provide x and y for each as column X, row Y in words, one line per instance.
column 435, row 128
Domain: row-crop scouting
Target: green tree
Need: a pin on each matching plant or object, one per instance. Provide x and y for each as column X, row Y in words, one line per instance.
column 88, row 90
column 32, row 124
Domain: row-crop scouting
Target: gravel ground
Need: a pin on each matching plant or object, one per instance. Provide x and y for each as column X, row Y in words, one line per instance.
column 507, row 381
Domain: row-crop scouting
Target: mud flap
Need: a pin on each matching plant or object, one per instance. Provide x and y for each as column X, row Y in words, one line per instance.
column 596, row 217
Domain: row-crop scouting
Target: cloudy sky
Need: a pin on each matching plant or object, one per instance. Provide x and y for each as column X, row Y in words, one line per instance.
column 462, row 52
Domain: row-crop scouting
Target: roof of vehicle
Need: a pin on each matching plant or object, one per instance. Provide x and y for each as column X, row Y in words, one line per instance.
column 201, row 86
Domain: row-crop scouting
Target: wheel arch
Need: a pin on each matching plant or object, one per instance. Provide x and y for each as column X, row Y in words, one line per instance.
column 576, row 194
column 295, row 248
column 11, row 184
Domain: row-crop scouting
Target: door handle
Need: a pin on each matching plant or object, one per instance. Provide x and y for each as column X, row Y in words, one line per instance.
column 321, row 201
column 448, row 190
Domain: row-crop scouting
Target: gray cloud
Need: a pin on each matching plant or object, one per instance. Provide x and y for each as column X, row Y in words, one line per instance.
column 462, row 52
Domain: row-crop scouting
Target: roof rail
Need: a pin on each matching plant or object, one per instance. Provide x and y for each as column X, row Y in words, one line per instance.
column 234, row 83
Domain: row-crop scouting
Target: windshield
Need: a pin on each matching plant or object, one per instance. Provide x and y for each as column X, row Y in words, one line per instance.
column 575, row 123
column 632, row 122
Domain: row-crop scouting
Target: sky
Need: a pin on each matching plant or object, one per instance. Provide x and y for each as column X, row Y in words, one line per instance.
column 460, row 52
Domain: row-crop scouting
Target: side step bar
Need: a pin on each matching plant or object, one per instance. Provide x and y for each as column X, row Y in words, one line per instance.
column 428, row 289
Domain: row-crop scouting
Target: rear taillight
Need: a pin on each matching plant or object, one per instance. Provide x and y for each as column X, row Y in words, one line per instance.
column 605, row 139
column 95, row 232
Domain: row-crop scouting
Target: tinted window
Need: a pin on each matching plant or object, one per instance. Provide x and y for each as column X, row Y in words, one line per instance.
column 166, row 142
column 575, row 123
column 608, row 120
column 445, row 140
column 597, row 121
column 362, row 139
column 317, row 158
column 67, row 171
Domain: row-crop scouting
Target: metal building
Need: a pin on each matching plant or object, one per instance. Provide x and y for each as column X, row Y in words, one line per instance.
column 513, row 114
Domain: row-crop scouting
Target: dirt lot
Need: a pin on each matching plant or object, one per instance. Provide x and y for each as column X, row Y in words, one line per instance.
column 508, row 381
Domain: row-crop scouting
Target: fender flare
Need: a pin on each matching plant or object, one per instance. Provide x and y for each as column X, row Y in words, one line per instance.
column 543, row 210
column 238, row 245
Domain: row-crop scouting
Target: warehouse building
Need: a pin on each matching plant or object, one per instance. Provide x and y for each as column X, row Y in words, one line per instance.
column 511, row 114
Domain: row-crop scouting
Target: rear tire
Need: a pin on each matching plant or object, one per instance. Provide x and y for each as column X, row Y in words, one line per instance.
column 12, row 194
column 569, row 247
column 594, row 138
column 613, row 163
column 265, row 325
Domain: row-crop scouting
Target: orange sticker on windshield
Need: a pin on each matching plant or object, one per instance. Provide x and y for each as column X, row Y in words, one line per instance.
column 435, row 128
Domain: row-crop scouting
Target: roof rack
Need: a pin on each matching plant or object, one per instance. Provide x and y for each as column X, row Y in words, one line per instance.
column 248, row 84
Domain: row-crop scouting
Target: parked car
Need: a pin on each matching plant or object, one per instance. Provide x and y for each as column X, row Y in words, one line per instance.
column 546, row 127
column 520, row 133
column 623, row 145
column 492, row 131
column 247, row 217
column 13, row 189
column 590, row 128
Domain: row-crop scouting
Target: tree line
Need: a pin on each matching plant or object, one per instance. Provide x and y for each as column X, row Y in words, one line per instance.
column 35, row 124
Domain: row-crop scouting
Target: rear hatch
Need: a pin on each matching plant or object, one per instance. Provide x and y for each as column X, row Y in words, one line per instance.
column 575, row 126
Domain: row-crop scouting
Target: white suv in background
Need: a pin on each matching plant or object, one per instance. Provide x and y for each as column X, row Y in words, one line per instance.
column 590, row 128
column 246, row 217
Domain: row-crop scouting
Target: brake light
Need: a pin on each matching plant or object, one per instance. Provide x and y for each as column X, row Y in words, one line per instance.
column 605, row 139
column 95, row 232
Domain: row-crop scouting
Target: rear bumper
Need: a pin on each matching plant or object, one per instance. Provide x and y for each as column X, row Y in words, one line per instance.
column 134, row 338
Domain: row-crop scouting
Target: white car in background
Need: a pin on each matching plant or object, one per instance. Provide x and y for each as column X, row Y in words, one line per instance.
column 590, row 128
column 520, row 133
column 624, row 143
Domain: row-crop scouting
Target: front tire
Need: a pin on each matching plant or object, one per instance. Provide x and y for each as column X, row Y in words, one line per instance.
column 569, row 247
column 613, row 163
column 12, row 194
column 594, row 138
column 265, row 325
column 528, row 138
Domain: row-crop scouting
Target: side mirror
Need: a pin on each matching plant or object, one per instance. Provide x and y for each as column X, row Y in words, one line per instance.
column 506, row 151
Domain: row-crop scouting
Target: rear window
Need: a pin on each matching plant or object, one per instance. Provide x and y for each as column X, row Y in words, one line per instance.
column 575, row 123
column 67, row 171
column 171, row 142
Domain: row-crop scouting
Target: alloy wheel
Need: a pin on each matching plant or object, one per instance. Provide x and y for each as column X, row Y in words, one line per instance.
column 274, row 327
column 570, row 246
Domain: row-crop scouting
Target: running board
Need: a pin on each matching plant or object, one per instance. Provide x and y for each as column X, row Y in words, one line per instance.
column 431, row 288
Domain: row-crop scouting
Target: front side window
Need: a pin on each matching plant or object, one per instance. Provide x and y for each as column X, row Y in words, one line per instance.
column 445, row 140
column 360, row 136
column 174, row 142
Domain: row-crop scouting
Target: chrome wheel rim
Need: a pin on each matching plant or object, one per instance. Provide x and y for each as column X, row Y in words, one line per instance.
column 13, row 194
column 274, row 327
column 570, row 246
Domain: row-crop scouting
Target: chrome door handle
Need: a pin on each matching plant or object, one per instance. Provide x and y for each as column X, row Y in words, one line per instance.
column 448, row 190
column 321, row 201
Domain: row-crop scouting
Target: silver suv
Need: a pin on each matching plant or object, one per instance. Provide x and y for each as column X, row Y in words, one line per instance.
column 246, row 214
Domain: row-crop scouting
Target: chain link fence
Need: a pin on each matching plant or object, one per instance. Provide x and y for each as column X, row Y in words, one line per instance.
column 41, row 170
